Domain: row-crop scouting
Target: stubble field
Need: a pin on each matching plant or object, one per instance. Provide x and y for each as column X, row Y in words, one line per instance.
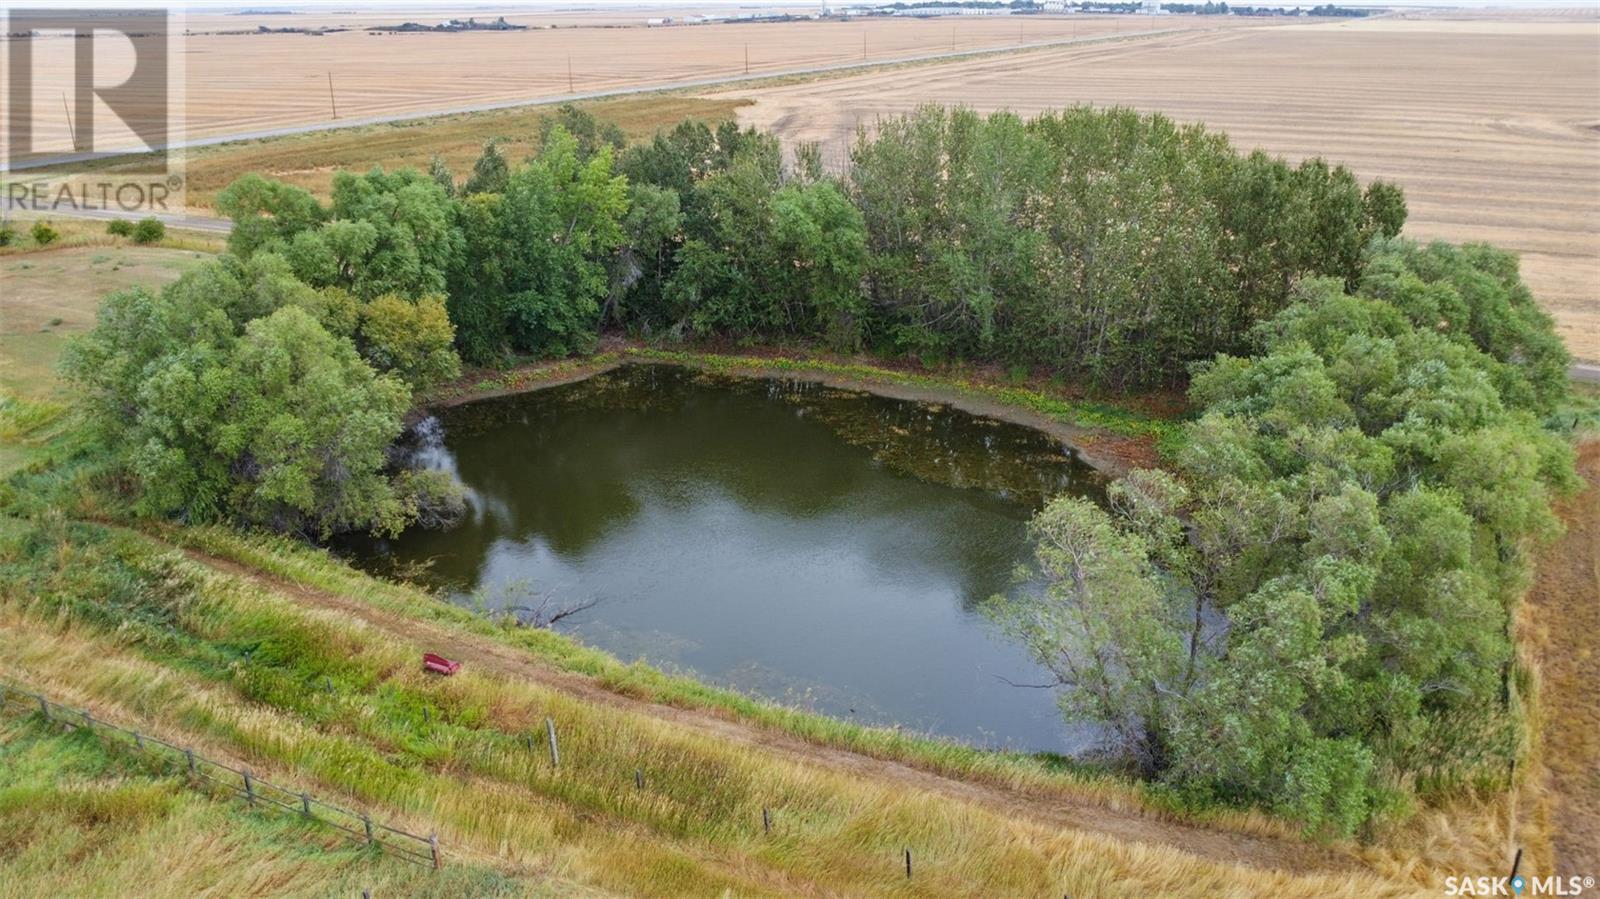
column 1492, row 126
column 240, row 83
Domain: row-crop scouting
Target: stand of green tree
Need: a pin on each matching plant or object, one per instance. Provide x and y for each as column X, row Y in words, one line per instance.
column 1109, row 245
column 240, row 393
column 1310, row 612
column 1313, row 612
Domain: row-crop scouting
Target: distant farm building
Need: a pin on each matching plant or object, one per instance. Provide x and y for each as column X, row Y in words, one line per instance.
column 931, row 11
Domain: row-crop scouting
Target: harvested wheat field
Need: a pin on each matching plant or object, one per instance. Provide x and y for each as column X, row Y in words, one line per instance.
column 1492, row 127
column 239, row 82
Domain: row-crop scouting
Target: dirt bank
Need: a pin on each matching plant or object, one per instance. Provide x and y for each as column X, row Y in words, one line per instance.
column 1108, row 451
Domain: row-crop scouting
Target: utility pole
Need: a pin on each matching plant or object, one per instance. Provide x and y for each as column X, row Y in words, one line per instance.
column 331, row 101
column 863, row 53
column 570, row 89
column 747, row 58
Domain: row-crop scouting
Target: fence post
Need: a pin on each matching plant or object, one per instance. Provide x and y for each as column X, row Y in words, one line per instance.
column 766, row 820
column 1515, row 864
column 249, row 788
column 638, row 779
column 367, row 822
column 433, row 847
column 908, row 864
column 555, row 751
column 44, row 707
column 189, row 754
column 305, row 804
column 138, row 741
column 88, row 721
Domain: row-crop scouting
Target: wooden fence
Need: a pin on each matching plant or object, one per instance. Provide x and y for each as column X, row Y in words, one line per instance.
column 240, row 782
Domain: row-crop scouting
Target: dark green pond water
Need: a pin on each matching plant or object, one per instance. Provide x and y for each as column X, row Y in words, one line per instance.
column 821, row 547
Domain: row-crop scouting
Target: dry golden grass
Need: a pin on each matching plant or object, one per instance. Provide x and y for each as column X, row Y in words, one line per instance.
column 61, row 288
column 49, row 294
column 1492, row 127
column 1563, row 619
column 309, row 160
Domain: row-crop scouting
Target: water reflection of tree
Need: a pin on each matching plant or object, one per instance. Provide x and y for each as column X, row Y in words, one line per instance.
column 933, row 442
column 572, row 464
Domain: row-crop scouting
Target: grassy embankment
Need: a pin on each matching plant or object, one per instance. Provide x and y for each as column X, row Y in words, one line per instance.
column 323, row 698
column 82, row 819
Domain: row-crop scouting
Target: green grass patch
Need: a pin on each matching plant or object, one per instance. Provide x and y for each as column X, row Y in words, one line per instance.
column 82, row 817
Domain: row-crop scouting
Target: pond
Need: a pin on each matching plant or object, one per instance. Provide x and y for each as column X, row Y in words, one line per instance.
column 821, row 547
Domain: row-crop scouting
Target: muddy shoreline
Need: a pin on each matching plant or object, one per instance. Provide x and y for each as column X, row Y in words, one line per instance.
column 1111, row 454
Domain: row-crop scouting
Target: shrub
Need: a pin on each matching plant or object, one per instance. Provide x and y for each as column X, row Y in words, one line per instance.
column 43, row 234
column 148, row 231
column 120, row 228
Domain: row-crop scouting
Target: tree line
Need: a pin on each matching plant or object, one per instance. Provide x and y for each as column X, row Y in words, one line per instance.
column 1105, row 244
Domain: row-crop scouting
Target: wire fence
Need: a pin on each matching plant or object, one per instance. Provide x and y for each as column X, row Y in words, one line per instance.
column 236, row 781
column 243, row 783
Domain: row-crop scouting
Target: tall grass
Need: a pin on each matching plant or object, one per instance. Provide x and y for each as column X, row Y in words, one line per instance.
column 77, row 819
column 317, row 697
column 1040, row 773
column 24, row 420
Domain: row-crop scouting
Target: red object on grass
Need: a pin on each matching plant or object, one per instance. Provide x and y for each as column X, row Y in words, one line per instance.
column 439, row 664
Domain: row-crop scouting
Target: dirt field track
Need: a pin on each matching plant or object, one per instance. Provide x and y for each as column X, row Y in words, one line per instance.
column 1493, row 127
